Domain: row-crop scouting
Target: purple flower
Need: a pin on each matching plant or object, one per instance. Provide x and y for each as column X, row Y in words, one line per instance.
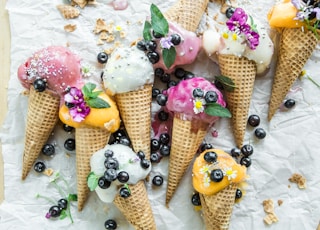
column 253, row 39
column 48, row 215
column 79, row 112
column 297, row 4
column 317, row 10
column 74, row 96
column 238, row 19
column 166, row 43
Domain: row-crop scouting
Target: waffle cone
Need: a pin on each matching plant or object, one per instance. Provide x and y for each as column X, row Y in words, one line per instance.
column 88, row 141
column 187, row 136
column 135, row 112
column 42, row 116
column 217, row 209
column 242, row 71
column 187, row 13
column 295, row 49
column 136, row 208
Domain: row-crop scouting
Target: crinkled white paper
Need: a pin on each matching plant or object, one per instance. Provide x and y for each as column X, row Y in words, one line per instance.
column 291, row 146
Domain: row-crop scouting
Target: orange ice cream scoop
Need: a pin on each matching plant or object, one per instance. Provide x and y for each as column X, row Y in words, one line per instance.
column 89, row 107
column 214, row 170
column 283, row 15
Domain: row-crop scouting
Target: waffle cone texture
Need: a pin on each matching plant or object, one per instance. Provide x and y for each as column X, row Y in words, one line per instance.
column 186, row 138
column 88, row 141
column 135, row 112
column 296, row 47
column 217, row 209
column 42, row 117
column 136, row 208
column 242, row 71
column 187, row 13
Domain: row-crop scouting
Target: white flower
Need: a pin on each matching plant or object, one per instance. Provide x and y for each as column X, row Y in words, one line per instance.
column 204, row 169
column 87, row 71
column 206, row 180
column 230, row 173
column 198, row 105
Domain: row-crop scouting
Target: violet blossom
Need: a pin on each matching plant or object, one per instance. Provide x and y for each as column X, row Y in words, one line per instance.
column 79, row 112
column 253, row 39
column 74, row 96
column 166, row 43
column 297, row 4
column 317, row 11
column 238, row 19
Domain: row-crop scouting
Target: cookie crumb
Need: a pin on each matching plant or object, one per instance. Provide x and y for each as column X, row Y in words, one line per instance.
column 268, row 207
column 270, row 218
column 48, row 172
column 299, row 180
column 70, row 27
column 280, row 202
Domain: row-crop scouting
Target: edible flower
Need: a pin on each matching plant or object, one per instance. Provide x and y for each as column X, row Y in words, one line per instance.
column 198, row 105
column 74, row 96
column 79, row 112
column 166, row 43
column 229, row 173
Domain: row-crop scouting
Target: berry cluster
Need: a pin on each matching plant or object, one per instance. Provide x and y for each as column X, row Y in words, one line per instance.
column 120, row 137
column 243, row 154
column 160, row 147
column 254, row 121
column 55, row 210
column 308, row 11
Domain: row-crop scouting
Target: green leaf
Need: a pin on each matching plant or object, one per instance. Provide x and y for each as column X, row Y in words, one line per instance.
column 227, row 83
column 94, row 94
column 87, row 89
column 127, row 187
column 146, row 31
column 63, row 214
column 252, row 25
column 92, row 181
column 169, row 56
column 97, row 103
column 215, row 109
column 72, row 197
column 159, row 23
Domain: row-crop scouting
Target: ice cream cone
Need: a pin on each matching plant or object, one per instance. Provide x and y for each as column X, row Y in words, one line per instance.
column 296, row 47
column 217, row 208
column 186, row 138
column 88, row 141
column 242, row 71
column 42, row 116
column 136, row 208
column 135, row 112
column 187, row 13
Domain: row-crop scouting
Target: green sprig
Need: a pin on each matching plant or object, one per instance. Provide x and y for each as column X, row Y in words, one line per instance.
column 227, row 83
column 91, row 97
column 215, row 109
column 92, row 181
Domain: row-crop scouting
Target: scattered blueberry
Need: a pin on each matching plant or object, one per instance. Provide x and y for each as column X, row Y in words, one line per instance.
column 108, row 153
column 70, row 144
column 216, row 175
column 110, row 224
column 210, row 157
column 145, row 163
column 155, row 92
column 67, row 128
column 155, row 157
column 39, row 85
column 155, row 144
column 124, row 141
column 161, row 99
column 260, row 133
column 195, row 199
column 153, row 57
column 211, row 97
column 119, row 133
column 103, row 182
column 111, row 163
column 229, row 12
column 165, row 78
column 123, row 177
column 188, row 75
column 171, row 83
column 289, row 103
column 158, row 72
column 39, row 167
column 197, row 92
column 157, row 180
column 179, row 73
column 163, row 115
column 238, row 193
column 175, row 39
column 69, row 105
column 246, row 161
column 235, row 152
column 164, row 138
column 110, row 174
column 141, row 45
column 254, row 120
column 165, row 150
column 102, row 57
column 247, row 150
column 205, row 146
column 54, row 211
column 151, row 45
column 124, row 192
column 141, row 155
column 48, row 149
column 63, row 203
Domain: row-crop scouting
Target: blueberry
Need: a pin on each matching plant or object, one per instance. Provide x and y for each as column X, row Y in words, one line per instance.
column 110, row 224
column 54, row 211
column 141, row 155
column 308, row 2
column 102, row 57
column 39, row 85
column 175, row 39
column 179, row 73
column 151, row 45
column 289, row 103
column 155, row 92
column 48, row 149
column 247, row 150
column 229, row 12
column 216, row 175
column 110, row 174
column 67, row 128
column 246, row 161
column 218, row 84
column 238, row 193
column 164, row 138
column 165, row 78
column 165, row 150
column 163, row 115
column 155, row 157
column 188, row 75
column 211, row 97
column 123, row 177
column 63, row 203
column 141, row 45
column 310, row 13
column 254, row 120
column 145, row 163
column 124, row 192
column 153, row 57
column 156, row 35
column 108, row 153
column 119, row 133
column 69, row 105
column 205, row 146
column 70, row 144
column 158, row 72
column 210, row 157
column 155, row 144
column 39, row 167
column 103, row 182
column 111, row 163
column 195, row 199
column 161, row 99
column 157, row 180
column 197, row 92
column 171, row 83
column 260, row 133
column 124, row 141
column 235, row 152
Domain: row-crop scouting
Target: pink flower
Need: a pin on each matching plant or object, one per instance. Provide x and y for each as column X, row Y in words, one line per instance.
column 74, row 96
column 79, row 112
column 253, row 39
column 238, row 19
column 166, row 43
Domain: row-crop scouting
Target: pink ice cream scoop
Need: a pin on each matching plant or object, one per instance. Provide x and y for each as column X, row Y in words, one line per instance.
column 190, row 98
column 57, row 65
column 187, row 50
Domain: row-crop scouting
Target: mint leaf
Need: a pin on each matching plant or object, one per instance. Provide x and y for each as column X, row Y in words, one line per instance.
column 72, row 197
column 252, row 25
column 92, row 181
column 146, row 31
column 87, row 89
column 215, row 109
column 169, row 56
column 94, row 94
column 227, row 83
column 97, row 103
column 63, row 214
column 159, row 23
